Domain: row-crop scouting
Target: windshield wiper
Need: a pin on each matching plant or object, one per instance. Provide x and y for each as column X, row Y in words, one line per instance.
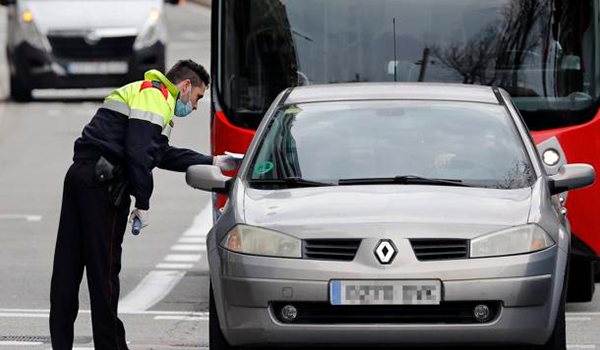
column 403, row 180
column 290, row 182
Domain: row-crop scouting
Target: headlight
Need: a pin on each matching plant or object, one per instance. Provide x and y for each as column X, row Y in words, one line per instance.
column 516, row 240
column 153, row 31
column 259, row 241
column 31, row 33
column 550, row 157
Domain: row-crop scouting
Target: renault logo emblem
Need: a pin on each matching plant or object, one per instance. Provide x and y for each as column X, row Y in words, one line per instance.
column 385, row 251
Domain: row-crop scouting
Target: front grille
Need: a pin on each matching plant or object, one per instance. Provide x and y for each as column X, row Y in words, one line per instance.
column 445, row 313
column 77, row 47
column 330, row 249
column 440, row 249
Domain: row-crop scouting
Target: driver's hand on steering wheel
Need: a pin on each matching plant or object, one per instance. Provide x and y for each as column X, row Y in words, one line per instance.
column 443, row 159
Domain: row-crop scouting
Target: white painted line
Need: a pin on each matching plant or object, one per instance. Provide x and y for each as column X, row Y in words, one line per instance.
column 20, row 343
column 27, row 217
column 152, row 289
column 580, row 346
column 46, row 311
column 579, row 318
column 202, row 223
column 583, row 313
column 181, row 318
column 192, row 239
column 183, row 257
column 189, row 248
column 169, row 266
column 7, row 314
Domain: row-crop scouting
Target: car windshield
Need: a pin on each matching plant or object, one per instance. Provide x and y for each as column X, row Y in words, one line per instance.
column 472, row 144
column 540, row 51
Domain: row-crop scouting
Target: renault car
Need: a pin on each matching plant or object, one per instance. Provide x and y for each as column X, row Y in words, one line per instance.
column 391, row 214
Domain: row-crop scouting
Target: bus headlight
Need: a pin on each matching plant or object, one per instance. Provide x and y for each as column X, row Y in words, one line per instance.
column 515, row 240
column 550, row 157
column 153, row 31
column 259, row 241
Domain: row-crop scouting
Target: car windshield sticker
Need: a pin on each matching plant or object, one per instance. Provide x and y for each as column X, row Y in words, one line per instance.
column 263, row 168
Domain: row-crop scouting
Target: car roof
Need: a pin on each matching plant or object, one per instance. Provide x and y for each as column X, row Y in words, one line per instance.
column 392, row 91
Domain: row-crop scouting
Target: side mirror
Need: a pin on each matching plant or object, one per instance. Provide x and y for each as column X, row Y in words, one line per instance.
column 572, row 177
column 552, row 154
column 207, row 178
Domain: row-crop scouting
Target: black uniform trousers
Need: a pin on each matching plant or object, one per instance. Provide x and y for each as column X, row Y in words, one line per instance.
column 90, row 235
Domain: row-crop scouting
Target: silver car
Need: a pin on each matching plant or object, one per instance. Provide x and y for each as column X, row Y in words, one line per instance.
column 390, row 214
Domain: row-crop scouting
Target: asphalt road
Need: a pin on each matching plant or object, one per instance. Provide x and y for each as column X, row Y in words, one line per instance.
column 164, row 283
column 164, row 289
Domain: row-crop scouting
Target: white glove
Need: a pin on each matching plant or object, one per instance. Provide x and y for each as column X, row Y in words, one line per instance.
column 142, row 215
column 225, row 162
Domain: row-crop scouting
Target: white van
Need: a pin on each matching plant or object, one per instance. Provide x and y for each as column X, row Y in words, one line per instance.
column 82, row 43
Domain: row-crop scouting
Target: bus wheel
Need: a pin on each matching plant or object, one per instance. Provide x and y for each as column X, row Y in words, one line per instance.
column 581, row 280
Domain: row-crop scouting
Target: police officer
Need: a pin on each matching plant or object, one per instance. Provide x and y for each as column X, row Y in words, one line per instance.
column 114, row 158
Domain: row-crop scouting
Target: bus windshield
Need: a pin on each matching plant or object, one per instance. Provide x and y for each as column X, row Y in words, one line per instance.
column 540, row 51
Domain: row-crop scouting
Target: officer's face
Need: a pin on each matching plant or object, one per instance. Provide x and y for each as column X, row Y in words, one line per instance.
column 197, row 94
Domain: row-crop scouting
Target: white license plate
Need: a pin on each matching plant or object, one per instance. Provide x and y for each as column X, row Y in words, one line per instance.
column 385, row 292
column 111, row 67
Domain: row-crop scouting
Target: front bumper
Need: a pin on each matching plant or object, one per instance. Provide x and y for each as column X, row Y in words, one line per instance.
column 524, row 286
column 38, row 69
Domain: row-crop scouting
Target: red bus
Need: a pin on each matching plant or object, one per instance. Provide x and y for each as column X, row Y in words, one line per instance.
column 545, row 53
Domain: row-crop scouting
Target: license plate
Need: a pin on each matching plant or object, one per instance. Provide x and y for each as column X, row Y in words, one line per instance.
column 111, row 67
column 385, row 292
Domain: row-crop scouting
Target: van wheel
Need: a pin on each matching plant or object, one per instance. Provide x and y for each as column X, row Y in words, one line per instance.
column 19, row 92
column 216, row 339
column 581, row 280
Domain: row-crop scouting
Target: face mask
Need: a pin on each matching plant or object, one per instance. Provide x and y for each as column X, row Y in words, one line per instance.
column 182, row 109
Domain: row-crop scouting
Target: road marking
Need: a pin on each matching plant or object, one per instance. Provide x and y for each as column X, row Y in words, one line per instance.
column 21, row 343
column 30, row 218
column 189, row 248
column 10, row 314
column 183, row 257
column 583, row 313
column 124, row 312
column 579, row 318
column 181, row 318
column 192, row 239
column 152, row 289
column 158, row 283
column 202, row 223
column 169, row 266
column 580, row 346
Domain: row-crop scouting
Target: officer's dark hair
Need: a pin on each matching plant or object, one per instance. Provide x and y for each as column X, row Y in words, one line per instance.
column 188, row 69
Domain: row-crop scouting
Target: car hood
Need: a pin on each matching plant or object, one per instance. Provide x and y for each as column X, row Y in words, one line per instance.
column 400, row 211
column 87, row 15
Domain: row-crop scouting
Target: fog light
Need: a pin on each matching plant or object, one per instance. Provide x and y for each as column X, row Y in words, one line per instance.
column 482, row 313
column 289, row 313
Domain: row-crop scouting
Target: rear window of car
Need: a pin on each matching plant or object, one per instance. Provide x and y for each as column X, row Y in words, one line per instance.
column 474, row 143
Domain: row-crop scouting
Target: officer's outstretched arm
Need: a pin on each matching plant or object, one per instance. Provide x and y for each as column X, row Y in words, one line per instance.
column 179, row 159
column 149, row 113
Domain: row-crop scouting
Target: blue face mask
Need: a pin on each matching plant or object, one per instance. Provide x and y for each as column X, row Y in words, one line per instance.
column 183, row 109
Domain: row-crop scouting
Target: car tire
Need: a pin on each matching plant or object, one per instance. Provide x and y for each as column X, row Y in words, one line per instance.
column 216, row 339
column 581, row 281
column 19, row 91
